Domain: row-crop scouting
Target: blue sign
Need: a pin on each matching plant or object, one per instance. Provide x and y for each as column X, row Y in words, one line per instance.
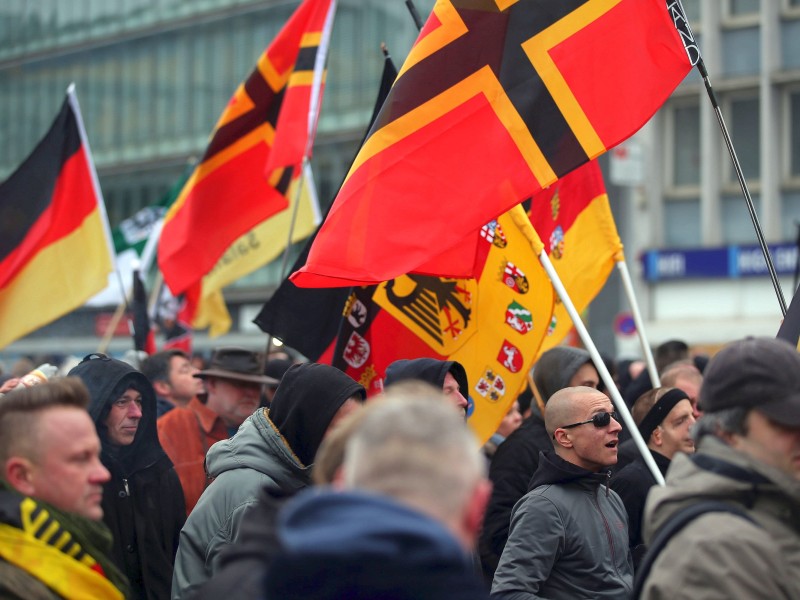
column 726, row 262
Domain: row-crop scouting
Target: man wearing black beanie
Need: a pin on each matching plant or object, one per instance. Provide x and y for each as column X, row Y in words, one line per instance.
column 273, row 448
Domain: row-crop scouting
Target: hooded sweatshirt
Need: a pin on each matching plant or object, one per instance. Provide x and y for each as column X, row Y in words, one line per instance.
column 359, row 546
column 430, row 370
column 259, row 455
column 568, row 538
column 143, row 502
column 556, row 367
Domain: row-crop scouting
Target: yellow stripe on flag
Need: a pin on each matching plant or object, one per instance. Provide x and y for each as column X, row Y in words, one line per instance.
column 59, row 279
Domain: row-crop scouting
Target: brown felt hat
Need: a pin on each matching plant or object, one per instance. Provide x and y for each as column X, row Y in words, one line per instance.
column 238, row 364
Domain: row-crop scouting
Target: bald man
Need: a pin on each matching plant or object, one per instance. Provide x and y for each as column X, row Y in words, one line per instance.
column 569, row 534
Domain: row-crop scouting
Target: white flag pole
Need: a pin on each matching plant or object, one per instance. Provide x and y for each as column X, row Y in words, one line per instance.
column 76, row 109
column 619, row 404
column 627, row 284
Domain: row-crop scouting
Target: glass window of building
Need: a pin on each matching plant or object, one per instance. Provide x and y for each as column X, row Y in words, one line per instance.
column 738, row 8
column 682, row 223
column 742, row 117
column 737, row 226
column 794, row 133
column 686, row 145
column 692, row 10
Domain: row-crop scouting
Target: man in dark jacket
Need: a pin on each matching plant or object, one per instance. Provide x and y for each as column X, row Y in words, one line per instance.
column 143, row 503
column 517, row 458
column 447, row 375
column 569, row 535
column 748, row 459
column 273, row 448
column 664, row 417
column 406, row 521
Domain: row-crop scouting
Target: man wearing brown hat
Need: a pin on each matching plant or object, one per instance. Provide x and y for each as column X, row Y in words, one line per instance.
column 233, row 381
column 748, row 460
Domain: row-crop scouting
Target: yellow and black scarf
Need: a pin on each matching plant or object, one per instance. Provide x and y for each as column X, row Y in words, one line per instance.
column 66, row 552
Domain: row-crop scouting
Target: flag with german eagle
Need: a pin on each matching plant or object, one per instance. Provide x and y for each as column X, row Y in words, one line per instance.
column 574, row 220
column 496, row 100
column 493, row 324
column 55, row 242
column 255, row 151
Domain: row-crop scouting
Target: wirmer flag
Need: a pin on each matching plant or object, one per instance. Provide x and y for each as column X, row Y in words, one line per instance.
column 55, row 243
column 230, row 190
column 495, row 101
column 574, row 220
column 493, row 325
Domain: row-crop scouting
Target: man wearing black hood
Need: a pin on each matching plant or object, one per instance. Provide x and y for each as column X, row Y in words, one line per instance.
column 448, row 375
column 273, row 448
column 143, row 502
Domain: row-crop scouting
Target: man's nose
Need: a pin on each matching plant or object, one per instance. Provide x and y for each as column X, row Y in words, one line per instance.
column 614, row 425
column 135, row 410
column 100, row 473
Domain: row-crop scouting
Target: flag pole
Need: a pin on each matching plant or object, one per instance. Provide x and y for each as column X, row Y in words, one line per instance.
column 619, row 404
column 678, row 14
column 627, row 284
column 521, row 219
column 73, row 100
column 414, row 14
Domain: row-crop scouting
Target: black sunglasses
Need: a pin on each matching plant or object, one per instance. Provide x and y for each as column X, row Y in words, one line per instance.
column 599, row 420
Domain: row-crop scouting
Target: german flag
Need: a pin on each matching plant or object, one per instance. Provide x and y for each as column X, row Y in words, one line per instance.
column 574, row 220
column 55, row 245
column 497, row 100
column 258, row 143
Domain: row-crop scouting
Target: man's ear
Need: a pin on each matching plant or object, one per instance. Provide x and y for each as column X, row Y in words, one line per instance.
column 18, row 472
column 657, row 437
column 162, row 388
column 562, row 438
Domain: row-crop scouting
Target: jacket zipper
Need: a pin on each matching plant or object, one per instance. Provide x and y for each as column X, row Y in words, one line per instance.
column 608, row 530
column 127, row 490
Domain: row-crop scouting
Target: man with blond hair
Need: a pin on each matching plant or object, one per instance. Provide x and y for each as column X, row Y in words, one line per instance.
column 53, row 542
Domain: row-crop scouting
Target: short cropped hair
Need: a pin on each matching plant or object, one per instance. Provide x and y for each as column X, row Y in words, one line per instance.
column 677, row 370
column 156, row 367
column 413, row 446
column 20, row 411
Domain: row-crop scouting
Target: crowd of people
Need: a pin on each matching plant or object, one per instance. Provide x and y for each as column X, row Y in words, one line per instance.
column 241, row 478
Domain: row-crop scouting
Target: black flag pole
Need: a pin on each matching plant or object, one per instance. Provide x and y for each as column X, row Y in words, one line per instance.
column 675, row 9
column 414, row 14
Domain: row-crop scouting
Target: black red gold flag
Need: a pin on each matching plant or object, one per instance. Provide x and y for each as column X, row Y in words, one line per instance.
column 55, row 244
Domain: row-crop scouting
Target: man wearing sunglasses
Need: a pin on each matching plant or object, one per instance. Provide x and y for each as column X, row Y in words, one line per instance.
column 569, row 534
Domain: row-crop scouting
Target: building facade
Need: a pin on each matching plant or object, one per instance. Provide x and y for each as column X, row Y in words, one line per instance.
column 700, row 275
column 153, row 76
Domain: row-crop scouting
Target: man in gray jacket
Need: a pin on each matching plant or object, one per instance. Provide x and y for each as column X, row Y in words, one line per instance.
column 569, row 534
column 748, row 456
column 273, row 448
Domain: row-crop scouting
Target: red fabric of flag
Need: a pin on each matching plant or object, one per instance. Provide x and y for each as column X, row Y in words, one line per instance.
column 55, row 251
column 229, row 191
column 493, row 104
